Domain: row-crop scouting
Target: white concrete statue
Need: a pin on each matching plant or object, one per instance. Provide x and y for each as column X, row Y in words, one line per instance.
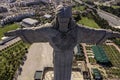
column 63, row 34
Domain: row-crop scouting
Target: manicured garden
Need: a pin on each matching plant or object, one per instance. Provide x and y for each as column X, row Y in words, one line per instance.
column 114, row 56
column 92, row 60
column 11, row 58
column 112, row 71
column 7, row 28
column 90, row 55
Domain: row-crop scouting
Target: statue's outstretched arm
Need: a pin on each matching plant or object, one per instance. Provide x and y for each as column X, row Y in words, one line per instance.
column 87, row 35
column 30, row 35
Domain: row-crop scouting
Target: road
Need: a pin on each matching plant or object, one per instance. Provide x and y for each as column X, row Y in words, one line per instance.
column 38, row 57
column 9, row 43
column 112, row 19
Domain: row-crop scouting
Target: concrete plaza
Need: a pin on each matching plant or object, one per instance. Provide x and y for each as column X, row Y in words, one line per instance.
column 38, row 57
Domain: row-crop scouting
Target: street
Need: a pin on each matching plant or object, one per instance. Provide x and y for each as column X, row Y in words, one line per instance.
column 113, row 21
column 9, row 43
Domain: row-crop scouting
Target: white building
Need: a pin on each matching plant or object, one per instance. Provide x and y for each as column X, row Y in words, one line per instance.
column 28, row 22
column 47, row 16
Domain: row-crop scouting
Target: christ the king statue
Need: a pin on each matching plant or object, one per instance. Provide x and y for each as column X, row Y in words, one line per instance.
column 63, row 34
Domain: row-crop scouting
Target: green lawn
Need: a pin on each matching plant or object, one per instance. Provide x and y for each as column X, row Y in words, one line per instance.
column 88, row 22
column 81, row 8
column 7, row 28
column 115, row 7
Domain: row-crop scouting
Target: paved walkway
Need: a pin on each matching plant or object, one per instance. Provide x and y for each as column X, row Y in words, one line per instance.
column 40, row 55
column 87, row 60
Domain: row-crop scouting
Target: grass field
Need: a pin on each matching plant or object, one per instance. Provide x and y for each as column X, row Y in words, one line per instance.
column 115, row 7
column 88, row 22
column 7, row 28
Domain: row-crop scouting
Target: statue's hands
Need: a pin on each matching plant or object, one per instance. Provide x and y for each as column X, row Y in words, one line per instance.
column 18, row 33
column 115, row 35
column 14, row 33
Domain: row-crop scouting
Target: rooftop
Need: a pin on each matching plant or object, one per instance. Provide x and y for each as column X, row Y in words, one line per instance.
column 38, row 75
column 30, row 21
column 47, row 16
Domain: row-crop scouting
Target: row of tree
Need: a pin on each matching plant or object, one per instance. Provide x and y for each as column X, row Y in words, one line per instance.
column 10, row 60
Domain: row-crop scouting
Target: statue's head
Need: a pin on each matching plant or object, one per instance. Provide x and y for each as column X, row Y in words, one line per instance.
column 64, row 11
column 63, row 17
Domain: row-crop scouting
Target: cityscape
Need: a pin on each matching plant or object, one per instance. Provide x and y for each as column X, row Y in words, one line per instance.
column 33, row 58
